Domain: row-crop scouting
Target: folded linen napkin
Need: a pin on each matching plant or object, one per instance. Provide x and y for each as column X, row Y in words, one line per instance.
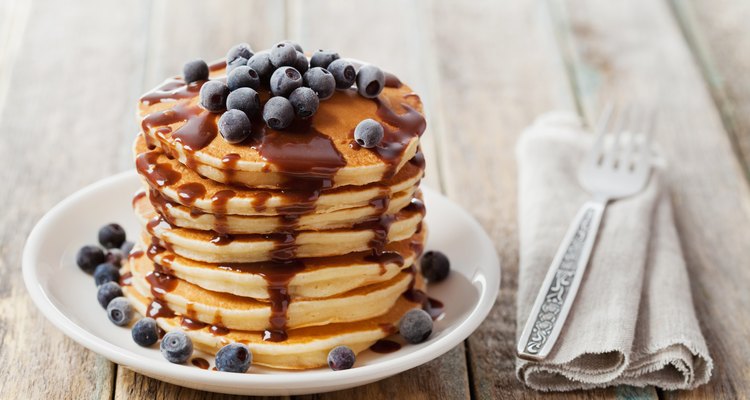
column 633, row 320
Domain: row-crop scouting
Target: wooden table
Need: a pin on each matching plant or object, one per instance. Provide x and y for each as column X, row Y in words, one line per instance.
column 71, row 72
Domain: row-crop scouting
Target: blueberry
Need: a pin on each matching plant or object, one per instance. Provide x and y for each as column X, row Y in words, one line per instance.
column 106, row 273
column 301, row 64
column 321, row 82
column 295, row 45
column 196, row 70
column 283, row 54
column 214, row 96
column 242, row 50
column 107, row 292
column 176, row 347
column 111, row 236
column 243, row 76
column 238, row 62
column 278, row 113
column 89, row 257
column 115, row 257
column 368, row 133
column 126, row 248
column 261, row 63
column 145, row 332
column 370, row 81
column 234, row 126
column 234, row 357
column 415, row 326
column 284, row 80
column 343, row 72
column 119, row 311
column 341, row 357
column 305, row 102
column 244, row 99
column 322, row 58
column 435, row 266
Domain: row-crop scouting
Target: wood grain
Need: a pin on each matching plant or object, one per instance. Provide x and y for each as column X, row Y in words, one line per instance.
column 52, row 124
column 719, row 37
column 635, row 51
column 399, row 46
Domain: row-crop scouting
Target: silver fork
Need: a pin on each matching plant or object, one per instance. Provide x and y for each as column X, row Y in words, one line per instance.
column 613, row 169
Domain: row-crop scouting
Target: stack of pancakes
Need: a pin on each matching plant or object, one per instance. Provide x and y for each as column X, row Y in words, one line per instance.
column 292, row 242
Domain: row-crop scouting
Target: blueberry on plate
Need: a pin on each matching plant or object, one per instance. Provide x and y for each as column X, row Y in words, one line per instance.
column 246, row 100
column 243, row 76
column 435, row 266
column 301, row 64
column 234, row 126
column 261, row 63
column 305, row 102
column 111, row 236
column 238, row 62
column 278, row 113
column 370, row 81
column 126, row 248
column 196, row 70
column 341, row 357
column 89, row 257
column 240, row 50
column 234, row 357
column 322, row 58
column 321, row 82
column 115, row 257
column 283, row 54
column 368, row 133
column 214, row 96
column 284, row 80
column 106, row 272
column 119, row 311
column 145, row 332
column 415, row 326
column 343, row 72
column 176, row 347
column 107, row 292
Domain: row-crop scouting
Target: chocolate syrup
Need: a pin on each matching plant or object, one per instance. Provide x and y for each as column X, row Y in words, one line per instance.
column 200, row 363
column 222, row 240
column 198, row 131
column 158, row 309
column 434, row 307
column 126, row 279
column 218, row 330
column 385, row 346
column 191, row 324
column 219, row 208
column 158, row 175
column 172, row 90
column 392, row 81
column 418, row 159
column 384, row 258
column 138, row 196
column 190, row 192
column 161, row 281
column 229, row 166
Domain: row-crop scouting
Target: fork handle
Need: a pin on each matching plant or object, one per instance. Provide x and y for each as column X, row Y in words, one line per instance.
column 560, row 286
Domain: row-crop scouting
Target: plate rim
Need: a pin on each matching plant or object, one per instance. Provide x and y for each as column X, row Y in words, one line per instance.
column 311, row 380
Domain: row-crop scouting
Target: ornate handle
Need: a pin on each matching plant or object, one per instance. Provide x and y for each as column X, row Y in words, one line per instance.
column 560, row 286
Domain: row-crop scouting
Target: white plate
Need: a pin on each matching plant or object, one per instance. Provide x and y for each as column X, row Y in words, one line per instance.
column 67, row 296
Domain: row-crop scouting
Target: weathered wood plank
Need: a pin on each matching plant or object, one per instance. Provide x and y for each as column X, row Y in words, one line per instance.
column 62, row 114
column 719, row 37
column 635, row 51
column 180, row 31
column 398, row 46
column 499, row 67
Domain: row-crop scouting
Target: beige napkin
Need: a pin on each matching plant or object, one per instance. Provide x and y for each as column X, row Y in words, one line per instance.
column 633, row 320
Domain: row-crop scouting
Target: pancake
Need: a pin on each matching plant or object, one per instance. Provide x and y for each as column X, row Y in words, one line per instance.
column 183, row 217
column 312, row 277
column 304, row 347
column 245, row 313
column 182, row 185
column 322, row 146
column 210, row 247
